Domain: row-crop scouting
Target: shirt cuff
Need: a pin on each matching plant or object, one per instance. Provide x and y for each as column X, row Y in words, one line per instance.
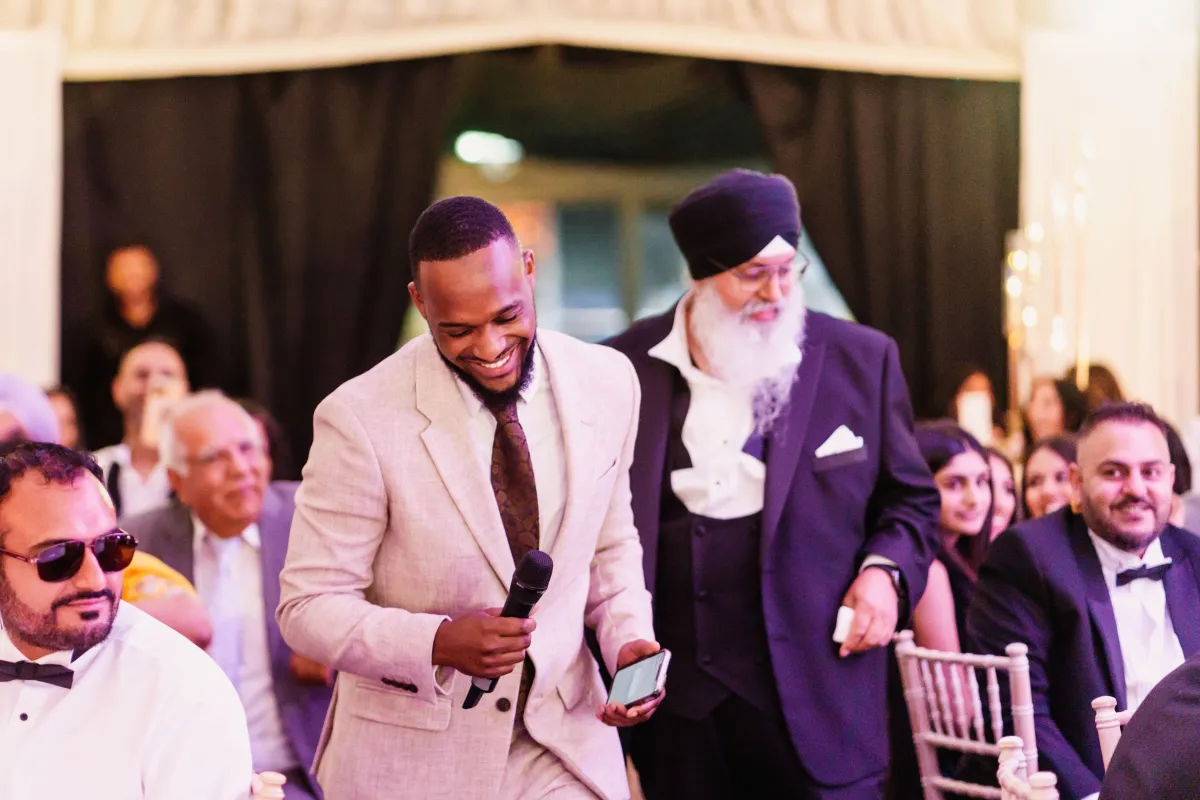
column 1093, row 796
column 872, row 560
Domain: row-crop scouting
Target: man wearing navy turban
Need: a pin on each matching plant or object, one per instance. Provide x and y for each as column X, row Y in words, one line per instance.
column 775, row 481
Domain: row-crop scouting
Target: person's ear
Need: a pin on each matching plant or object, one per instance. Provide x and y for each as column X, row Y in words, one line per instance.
column 415, row 296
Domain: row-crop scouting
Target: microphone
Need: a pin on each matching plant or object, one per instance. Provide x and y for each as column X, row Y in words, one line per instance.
column 529, row 582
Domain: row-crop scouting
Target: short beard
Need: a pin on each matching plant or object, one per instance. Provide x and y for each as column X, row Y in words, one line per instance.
column 42, row 631
column 1122, row 540
column 507, row 397
column 743, row 352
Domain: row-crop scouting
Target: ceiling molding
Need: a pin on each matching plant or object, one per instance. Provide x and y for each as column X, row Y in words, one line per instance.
column 126, row 39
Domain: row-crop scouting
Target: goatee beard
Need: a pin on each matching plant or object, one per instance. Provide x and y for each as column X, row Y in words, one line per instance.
column 488, row 397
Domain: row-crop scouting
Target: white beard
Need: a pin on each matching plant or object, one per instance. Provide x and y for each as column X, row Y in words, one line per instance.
column 744, row 352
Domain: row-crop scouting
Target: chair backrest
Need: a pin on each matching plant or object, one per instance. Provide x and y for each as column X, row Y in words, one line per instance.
column 267, row 786
column 941, row 690
column 1011, row 775
column 1109, row 722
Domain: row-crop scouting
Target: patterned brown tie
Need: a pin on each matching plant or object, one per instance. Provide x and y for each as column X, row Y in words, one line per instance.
column 512, row 481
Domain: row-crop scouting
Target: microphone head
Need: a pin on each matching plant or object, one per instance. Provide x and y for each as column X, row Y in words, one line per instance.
column 534, row 570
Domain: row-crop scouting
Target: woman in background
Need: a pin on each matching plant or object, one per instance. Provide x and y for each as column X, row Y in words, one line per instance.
column 960, row 469
column 1055, row 408
column 67, row 411
column 1046, row 484
column 1004, row 492
column 1102, row 387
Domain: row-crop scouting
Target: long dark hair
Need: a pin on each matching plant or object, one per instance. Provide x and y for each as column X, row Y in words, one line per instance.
column 1074, row 406
column 1019, row 504
column 1064, row 446
column 939, row 442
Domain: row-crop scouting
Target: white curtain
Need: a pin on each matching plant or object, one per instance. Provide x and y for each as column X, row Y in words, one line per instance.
column 30, row 191
column 1116, row 111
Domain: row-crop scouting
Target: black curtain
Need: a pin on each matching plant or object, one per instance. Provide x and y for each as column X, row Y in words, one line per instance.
column 907, row 187
column 279, row 203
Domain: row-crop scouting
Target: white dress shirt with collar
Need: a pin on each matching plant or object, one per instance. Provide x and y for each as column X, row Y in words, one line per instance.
column 138, row 494
column 723, row 482
column 253, row 681
column 538, row 415
column 1149, row 646
column 149, row 716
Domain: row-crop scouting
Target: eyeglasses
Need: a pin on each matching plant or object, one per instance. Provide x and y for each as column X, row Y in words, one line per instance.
column 61, row 561
column 756, row 276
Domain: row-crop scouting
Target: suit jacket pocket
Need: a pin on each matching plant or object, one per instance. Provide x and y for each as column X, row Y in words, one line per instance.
column 577, row 682
column 397, row 707
column 841, row 459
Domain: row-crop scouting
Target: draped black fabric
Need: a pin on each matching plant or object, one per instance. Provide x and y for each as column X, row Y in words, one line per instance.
column 907, row 187
column 278, row 203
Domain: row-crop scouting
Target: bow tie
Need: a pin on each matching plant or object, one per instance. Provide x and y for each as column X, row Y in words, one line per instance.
column 28, row 671
column 1154, row 573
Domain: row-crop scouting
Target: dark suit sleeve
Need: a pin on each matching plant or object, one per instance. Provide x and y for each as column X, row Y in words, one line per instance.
column 1157, row 754
column 904, row 508
column 1010, row 605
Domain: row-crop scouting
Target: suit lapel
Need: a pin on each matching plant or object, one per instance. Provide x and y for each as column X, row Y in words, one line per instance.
column 657, row 379
column 180, row 545
column 448, row 440
column 577, row 421
column 786, row 440
column 1099, row 604
column 273, row 529
column 1183, row 593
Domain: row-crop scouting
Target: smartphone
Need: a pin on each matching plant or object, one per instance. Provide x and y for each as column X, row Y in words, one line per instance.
column 641, row 680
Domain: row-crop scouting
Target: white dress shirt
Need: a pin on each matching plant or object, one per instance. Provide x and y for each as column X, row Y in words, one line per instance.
column 252, row 680
column 723, row 482
column 1149, row 646
column 138, row 494
column 149, row 716
column 538, row 415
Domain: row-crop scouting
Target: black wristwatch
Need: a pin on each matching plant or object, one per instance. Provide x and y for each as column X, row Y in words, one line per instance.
column 901, row 591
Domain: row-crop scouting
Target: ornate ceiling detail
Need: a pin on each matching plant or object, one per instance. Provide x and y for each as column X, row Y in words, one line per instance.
column 108, row 39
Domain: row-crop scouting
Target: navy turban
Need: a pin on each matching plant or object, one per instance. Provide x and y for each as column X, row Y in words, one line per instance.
column 731, row 219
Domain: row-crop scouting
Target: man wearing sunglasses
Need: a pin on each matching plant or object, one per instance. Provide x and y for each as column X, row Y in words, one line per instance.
column 97, row 699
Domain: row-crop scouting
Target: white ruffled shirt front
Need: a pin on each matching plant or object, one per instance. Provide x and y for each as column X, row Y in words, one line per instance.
column 723, row 482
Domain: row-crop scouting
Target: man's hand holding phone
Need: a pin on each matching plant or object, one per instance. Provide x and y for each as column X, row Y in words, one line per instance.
column 635, row 658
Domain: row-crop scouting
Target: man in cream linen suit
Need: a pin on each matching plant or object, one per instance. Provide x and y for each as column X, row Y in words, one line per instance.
column 429, row 475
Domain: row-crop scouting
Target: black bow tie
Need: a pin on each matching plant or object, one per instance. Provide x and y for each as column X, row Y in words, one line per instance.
column 1154, row 573
column 28, row 671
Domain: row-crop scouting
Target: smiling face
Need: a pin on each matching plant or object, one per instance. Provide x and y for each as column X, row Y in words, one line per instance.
column 1124, row 477
column 224, row 469
column 965, row 484
column 75, row 614
column 1047, row 482
column 1004, row 495
column 481, row 315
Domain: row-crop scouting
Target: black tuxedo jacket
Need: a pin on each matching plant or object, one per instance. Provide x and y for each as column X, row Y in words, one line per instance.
column 821, row 517
column 1042, row 585
column 1157, row 754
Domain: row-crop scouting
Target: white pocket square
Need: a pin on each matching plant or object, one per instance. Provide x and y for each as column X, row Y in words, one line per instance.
column 842, row 440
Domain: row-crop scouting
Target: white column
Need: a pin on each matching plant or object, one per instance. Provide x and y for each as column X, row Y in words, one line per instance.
column 30, row 203
column 1109, row 172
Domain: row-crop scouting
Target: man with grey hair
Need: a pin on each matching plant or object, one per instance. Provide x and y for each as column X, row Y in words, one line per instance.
column 776, row 479
column 227, row 532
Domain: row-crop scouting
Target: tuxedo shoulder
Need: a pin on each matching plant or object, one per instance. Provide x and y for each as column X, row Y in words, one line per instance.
column 643, row 334
column 1044, row 538
column 593, row 360
column 393, row 377
column 1186, row 540
column 844, row 333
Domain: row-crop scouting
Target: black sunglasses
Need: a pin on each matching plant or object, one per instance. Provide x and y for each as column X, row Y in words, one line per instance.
column 60, row 562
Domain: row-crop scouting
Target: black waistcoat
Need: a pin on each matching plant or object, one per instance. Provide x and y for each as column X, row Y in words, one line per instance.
column 708, row 595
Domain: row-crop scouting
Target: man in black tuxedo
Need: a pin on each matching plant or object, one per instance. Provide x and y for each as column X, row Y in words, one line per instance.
column 1157, row 754
column 1107, row 599
column 775, row 478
